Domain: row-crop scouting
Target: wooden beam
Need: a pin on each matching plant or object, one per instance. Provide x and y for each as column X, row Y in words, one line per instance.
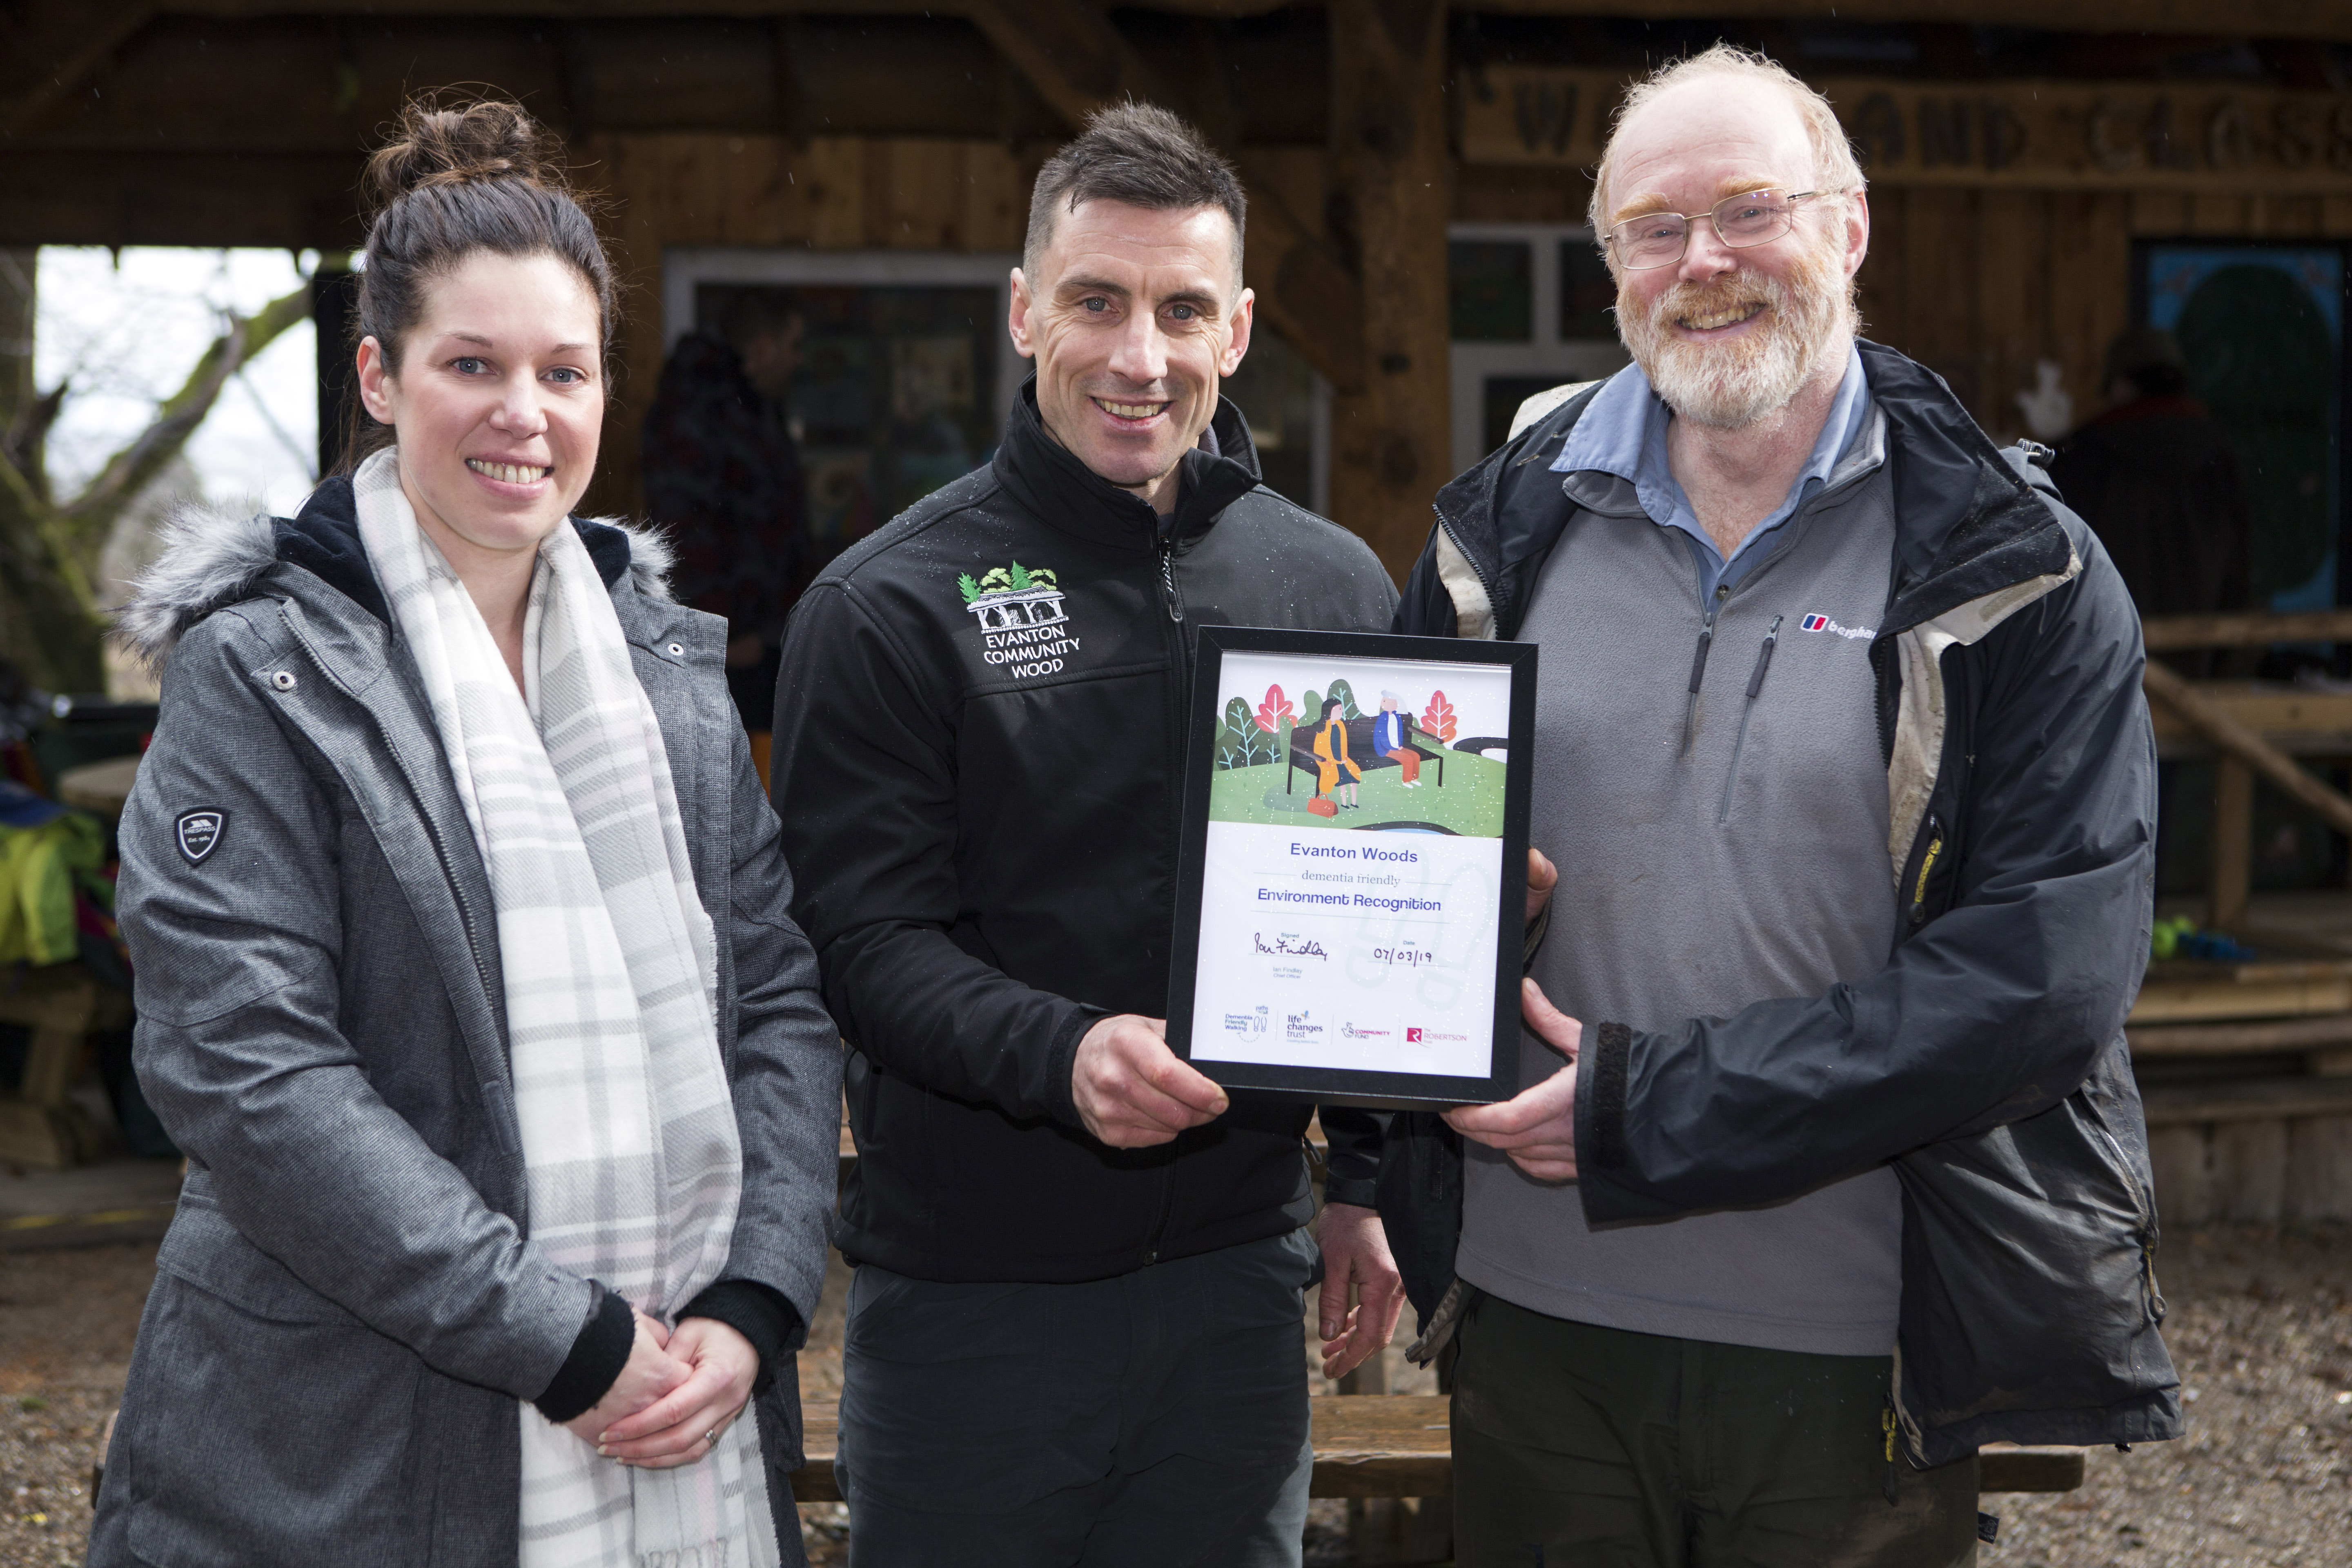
column 1391, row 442
column 2224, row 18
column 1071, row 54
column 2256, row 1100
column 48, row 50
column 2329, row 19
column 2169, row 634
column 1077, row 62
column 2269, row 1039
column 2233, row 738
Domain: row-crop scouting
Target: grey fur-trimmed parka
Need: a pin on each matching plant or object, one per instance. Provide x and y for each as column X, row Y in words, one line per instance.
column 349, row 1310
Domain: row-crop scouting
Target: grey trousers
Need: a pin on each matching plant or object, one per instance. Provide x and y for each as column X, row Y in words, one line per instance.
column 1159, row 1418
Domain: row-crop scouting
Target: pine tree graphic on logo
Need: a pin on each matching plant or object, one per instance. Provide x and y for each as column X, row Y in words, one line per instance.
column 1008, row 598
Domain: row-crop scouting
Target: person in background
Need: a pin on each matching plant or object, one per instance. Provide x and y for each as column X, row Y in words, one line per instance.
column 2157, row 481
column 723, row 473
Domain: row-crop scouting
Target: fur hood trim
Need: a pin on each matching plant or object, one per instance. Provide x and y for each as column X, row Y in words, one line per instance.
column 651, row 555
column 213, row 557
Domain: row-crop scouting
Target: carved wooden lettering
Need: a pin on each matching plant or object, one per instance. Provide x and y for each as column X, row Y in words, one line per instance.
column 1944, row 127
column 1547, row 111
column 2056, row 135
column 1877, row 130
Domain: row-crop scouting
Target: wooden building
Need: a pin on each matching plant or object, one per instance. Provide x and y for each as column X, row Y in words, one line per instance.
column 2043, row 172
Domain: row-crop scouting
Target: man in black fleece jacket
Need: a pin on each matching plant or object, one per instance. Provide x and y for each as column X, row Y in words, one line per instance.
column 1074, row 1334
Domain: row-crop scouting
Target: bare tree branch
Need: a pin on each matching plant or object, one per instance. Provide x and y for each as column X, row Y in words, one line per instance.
column 49, row 623
column 90, row 516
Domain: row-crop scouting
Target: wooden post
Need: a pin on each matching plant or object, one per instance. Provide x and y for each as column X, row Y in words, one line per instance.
column 2232, row 879
column 1391, row 441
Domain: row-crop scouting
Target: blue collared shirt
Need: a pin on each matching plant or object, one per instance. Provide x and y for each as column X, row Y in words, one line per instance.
column 1623, row 432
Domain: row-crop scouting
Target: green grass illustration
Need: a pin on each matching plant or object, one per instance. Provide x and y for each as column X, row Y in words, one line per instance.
column 1471, row 804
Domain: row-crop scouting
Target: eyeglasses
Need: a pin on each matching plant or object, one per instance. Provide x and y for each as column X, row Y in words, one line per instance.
column 1659, row 239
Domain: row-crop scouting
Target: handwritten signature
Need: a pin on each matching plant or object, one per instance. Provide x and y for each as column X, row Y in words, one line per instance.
column 1289, row 946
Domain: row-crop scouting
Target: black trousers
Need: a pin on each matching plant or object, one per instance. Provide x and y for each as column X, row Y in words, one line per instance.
column 1580, row 1447
column 1154, row 1420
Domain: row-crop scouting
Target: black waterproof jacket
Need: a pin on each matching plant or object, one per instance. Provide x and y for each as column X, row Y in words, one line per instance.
column 978, row 754
column 1986, row 1062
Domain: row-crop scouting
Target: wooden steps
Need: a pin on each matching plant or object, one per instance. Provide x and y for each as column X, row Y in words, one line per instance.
column 2194, row 993
column 1384, row 1445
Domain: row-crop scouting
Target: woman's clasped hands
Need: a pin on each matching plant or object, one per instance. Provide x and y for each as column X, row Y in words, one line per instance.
column 675, row 1394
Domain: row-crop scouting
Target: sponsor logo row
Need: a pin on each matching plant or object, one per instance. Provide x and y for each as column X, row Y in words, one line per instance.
column 1304, row 1026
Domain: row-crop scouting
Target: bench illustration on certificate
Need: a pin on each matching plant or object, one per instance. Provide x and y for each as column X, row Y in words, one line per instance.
column 1355, row 830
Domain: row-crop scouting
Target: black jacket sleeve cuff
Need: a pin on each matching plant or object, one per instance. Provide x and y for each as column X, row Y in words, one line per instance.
column 597, row 1356
column 1601, row 1098
column 758, row 1312
column 1062, row 1062
column 1352, row 1165
column 1537, row 929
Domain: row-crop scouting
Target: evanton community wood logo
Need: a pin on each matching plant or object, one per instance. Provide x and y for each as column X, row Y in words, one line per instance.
column 1023, row 627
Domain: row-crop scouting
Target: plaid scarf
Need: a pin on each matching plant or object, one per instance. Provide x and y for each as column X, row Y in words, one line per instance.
column 633, row 1169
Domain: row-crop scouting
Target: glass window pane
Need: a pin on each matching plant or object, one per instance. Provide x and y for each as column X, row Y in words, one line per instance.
column 1504, row 396
column 1587, row 292
column 891, row 398
column 1275, row 389
column 1493, row 286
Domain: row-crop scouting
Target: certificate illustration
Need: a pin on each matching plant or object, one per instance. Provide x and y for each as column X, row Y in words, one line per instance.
column 1350, row 857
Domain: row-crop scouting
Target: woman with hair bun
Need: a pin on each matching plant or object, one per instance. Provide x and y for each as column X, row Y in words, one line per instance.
column 466, row 977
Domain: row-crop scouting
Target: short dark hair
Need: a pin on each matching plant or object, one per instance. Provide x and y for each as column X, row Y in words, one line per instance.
column 2159, row 380
column 458, row 177
column 753, row 313
column 1140, row 154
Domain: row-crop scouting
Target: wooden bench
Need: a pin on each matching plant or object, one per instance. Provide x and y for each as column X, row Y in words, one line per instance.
column 1369, row 1445
column 1401, row 1446
column 61, row 1005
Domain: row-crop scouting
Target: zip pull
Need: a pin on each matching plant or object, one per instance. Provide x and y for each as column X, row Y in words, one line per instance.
column 1698, row 659
column 1747, row 712
column 1926, row 864
column 1168, row 582
column 1886, row 1428
column 1764, row 658
column 1698, row 667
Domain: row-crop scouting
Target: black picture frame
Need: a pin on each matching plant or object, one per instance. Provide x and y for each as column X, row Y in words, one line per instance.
column 1341, row 1085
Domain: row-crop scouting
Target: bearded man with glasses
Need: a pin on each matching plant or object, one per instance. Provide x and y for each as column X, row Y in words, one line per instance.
column 1830, row 1167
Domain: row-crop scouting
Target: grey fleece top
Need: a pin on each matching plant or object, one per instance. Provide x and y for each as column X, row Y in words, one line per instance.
column 1720, row 830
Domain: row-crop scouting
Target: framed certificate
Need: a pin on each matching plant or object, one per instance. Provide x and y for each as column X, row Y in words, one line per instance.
column 1352, row 891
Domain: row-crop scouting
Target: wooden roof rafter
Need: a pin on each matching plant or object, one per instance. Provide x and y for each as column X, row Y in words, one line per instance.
column 1079, row 62
column 2323, row 19
column 50, row 47
column 50, row 50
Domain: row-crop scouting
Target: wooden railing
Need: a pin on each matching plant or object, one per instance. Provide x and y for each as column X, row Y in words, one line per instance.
column 2251, row 734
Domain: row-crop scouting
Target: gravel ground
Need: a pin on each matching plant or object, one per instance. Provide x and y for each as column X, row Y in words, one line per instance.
column 2261, row 1326
column 2261, row 1332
